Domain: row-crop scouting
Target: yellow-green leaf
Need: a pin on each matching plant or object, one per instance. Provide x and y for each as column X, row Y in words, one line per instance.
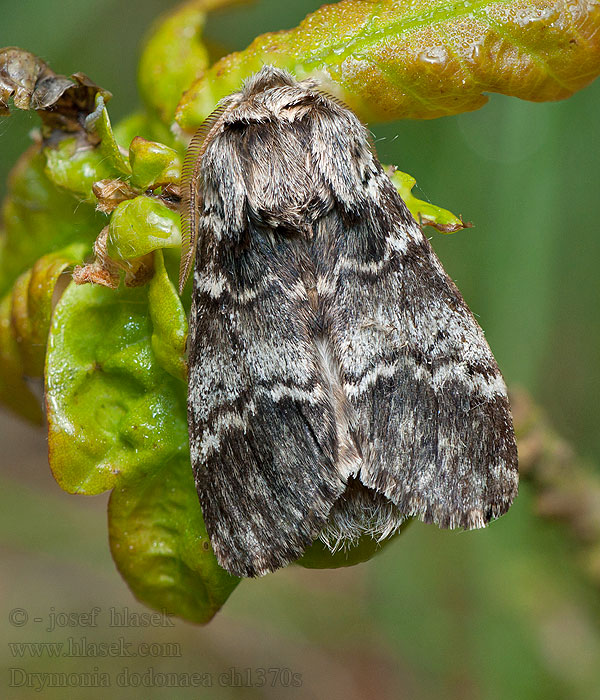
column 31, row 305
column 113, row 411
column 174, row 55
column 38, row 218
column 14, row 391
column 75, row 166
column 117, row 420
column 421, row 59
column 141, row 225
column 169, row 321
column 24, row 325
column 425, row 213
column 153, row 163
column 99, row 121
column 160, row 545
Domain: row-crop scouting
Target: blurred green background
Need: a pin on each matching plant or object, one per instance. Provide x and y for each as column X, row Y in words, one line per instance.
column 495, row 614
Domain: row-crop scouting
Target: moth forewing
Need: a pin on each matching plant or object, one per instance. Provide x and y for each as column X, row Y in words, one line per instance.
column 338, row 382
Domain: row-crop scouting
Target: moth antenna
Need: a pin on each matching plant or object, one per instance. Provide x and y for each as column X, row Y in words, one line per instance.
column 332, row 98
column 190, row 204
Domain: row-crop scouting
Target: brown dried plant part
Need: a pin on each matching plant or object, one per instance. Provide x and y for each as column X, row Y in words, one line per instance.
column 63, row 103
column 106, row 271
column 111, row 192
column 566, row 488
column 444, row 228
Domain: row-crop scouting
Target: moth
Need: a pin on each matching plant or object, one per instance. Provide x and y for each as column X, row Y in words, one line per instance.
column 338, row 382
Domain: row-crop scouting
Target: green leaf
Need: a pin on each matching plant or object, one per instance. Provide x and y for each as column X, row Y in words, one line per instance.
column 174, row 55
column 118, row 420
column 425, row 213
column 75, row 163
column 24, row 325
column 141, row 225
column 75, row 167
column 31, row 305
column 421, row 59
column 153, row 164
column 169, row 321
column 113, row 411
column 38, row 219
column 99, row 121
column 14, row 391
column 160, row 545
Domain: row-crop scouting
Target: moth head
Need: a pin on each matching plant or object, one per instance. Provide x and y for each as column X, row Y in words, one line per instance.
column 270, row 94
column 267, row 77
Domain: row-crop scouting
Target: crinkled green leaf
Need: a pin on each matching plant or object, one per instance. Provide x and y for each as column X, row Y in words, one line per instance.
column 14, row 391
column 38, row 219
column 174, row 55
column 31, row 305
column 153, row 163
column 24, row 324
column 99, row 121
column 160, row 545
column 113, row 411
column 117, row 420
column 421, row 59
column 75, row 167
column 169, row 321
column 75, row 164
column 425, row 213
column 141, row 225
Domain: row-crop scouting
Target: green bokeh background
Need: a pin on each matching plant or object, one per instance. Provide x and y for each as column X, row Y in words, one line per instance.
column 503, row 613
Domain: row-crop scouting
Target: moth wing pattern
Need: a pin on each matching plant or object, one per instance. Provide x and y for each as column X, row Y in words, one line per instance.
column 262, row 427
column 430, row 408
column 263, row 444
column 338, row 381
